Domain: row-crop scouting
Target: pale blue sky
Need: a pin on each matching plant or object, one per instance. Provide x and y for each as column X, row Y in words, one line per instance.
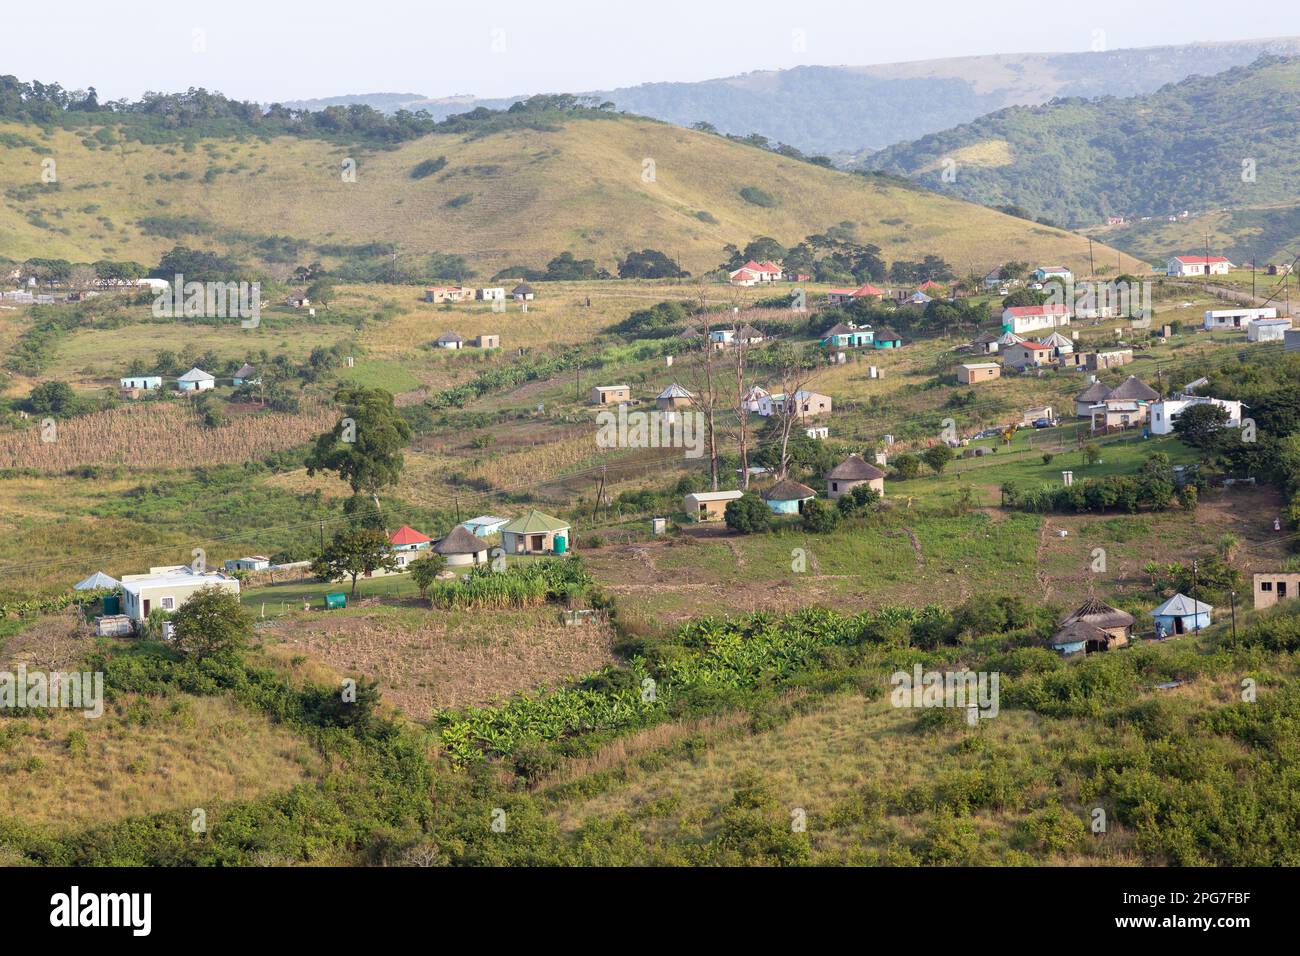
column 273, row 50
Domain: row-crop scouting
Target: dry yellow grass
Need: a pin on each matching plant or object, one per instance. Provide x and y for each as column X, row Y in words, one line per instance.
column 533, row 193
column 426, row 660
column 158, row 435
column 143, row 756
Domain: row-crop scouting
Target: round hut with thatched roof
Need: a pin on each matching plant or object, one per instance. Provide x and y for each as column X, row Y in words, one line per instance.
column 461, row 547
column 787, row 497
column 1094, row 627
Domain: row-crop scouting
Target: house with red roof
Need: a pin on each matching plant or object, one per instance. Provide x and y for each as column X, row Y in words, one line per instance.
column 1197, row 266
column 843, row 296
column 405, row 542
column 1030, row 318
column 752, row 273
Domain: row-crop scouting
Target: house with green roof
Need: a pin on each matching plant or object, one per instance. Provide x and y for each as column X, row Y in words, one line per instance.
column 536, row 533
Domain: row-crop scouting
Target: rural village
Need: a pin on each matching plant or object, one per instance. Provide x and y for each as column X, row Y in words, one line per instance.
column 484, row 535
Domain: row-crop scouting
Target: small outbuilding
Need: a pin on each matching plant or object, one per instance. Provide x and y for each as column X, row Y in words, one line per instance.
column 1181, row 614
column 672, row 398
column 523, row 292
column 709, row 505
column 449, row 340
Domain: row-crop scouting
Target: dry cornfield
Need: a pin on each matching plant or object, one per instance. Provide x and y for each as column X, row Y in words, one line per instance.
column 158, row 435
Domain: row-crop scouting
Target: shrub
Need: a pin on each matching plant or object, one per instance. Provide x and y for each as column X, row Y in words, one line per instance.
column 819, row 517
column 748, row 514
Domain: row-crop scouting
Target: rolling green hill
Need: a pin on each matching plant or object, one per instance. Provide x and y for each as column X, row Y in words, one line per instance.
column 498, row 195
column 1207, row 143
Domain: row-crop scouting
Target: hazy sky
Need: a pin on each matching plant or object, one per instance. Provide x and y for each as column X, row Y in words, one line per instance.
column 273, row 50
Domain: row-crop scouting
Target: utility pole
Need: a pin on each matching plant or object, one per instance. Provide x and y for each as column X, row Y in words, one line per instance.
column 1092, row 268
column 322, row 535
column 1233, row 595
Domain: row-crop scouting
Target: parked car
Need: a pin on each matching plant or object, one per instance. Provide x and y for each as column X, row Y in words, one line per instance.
column 1043, row 423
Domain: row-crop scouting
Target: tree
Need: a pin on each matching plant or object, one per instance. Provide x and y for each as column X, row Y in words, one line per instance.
column 354, row 552
column 365, row 447
column 211, row 623
column 704, row 377
column 907, row 467
column 321, row 291
column 937, row 457
column 1201, row 426
column 52, row 398
column 425, row 571
column 649, row 264
column 748, row 514
column 795, row 371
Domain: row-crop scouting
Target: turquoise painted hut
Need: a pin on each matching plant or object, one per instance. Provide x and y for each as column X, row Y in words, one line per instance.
column 886, row 339
column 1180, row 615
column 787, row 497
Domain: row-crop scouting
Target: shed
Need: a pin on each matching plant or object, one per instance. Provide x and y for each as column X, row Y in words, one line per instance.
column 673, row 397
column 523, row 292
column 709, row 505
column 449, row 340
column 461, row 547
column 1181, row 614
column 787, row 497
column 611, row 394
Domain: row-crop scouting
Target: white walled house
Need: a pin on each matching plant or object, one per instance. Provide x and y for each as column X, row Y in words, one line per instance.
column 143, row 382
column 495, row 294
column 1197, row 266
column 1022, row 319
column 1236, row 318
column 167, row 589
column 196, row 380
column 1165, row 413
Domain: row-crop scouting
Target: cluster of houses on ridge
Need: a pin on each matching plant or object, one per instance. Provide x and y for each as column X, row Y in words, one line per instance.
column 759, row 401
column 523, row 292
column 195, row 380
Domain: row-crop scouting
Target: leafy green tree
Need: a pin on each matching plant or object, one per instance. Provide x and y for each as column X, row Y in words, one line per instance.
column 1201, row 426
column 937, row 457
column 425, row 571
column 748, row 514
column 354, row 552
column 52, row 398
column 365, row 447
column 212, row 623
column 907, row 467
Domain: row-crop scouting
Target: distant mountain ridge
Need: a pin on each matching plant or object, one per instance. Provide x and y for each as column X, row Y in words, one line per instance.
column 845, row 110
column 1206, row 143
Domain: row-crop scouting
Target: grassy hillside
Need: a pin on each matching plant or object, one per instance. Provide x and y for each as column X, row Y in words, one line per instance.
column 512, row 197
column 1073, row 161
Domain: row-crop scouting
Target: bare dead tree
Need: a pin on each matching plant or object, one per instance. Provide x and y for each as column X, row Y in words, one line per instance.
column 740, row 391
column 796, row 372
column 703, row 378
